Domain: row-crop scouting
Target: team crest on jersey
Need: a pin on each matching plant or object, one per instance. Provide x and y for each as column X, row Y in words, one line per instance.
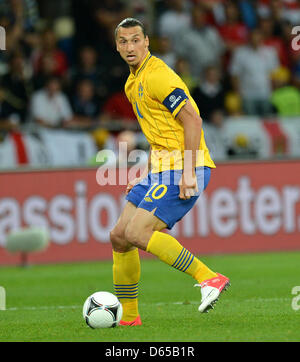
column 141, row 90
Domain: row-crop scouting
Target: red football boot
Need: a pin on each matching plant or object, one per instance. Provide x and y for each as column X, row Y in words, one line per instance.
column 136, row 322
column 211, row 290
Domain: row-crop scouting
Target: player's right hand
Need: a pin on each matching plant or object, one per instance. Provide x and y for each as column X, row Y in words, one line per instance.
column 188, row 185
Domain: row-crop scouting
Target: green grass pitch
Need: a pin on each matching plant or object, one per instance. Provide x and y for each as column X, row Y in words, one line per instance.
column 44, row 302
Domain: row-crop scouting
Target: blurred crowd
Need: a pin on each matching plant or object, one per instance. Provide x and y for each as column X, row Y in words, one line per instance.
column 60, row 68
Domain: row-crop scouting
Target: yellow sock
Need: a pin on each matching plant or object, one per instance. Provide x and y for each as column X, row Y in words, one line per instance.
column 171, row 252
column 126, row 275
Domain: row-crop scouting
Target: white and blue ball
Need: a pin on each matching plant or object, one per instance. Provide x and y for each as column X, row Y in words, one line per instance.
column 102, row 310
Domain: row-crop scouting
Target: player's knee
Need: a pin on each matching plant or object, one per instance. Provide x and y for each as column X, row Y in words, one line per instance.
column 118, row 240
column 115, row 235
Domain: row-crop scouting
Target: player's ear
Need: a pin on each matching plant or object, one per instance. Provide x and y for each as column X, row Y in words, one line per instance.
column 117, row 42
column 147, row 41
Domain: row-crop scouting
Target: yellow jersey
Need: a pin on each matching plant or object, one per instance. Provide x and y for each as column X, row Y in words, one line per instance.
column 157, row 94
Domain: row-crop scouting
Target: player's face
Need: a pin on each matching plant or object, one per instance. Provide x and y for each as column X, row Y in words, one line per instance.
column 132, row 45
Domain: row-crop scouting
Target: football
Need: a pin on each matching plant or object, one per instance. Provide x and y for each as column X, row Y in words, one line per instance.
column 102, row 310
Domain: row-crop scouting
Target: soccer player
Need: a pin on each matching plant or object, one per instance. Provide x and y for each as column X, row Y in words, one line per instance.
column 180, row 169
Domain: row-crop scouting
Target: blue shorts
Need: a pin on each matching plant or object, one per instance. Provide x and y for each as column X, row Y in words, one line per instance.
column 160, row 191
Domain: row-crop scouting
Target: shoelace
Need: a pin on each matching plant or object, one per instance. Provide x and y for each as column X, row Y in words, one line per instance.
column 200, row 285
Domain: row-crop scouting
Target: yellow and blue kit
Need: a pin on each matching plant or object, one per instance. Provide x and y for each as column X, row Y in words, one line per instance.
column 157, row 95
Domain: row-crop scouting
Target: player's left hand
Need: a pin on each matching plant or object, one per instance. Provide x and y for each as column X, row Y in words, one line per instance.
column 132, row 183
column 188, row 185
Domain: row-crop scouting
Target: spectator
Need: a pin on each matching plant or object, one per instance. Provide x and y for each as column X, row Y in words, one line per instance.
column 64, row 31
column 25, row 11
column 250, row 68
column 18, row 84
column 49, row 52
column 118, row 114
column 141, row 9
column 88, row 68
column 45, row 72
column 280, row 11
column 182, row 68
column 128, row 138
column 86, row 105
column 248, row 13
column 233, row 32
column 215, row 13
column 9, row 119
column 273, row 9
column 108, row 14
column 209, row 94
column 50, row 107
column 285, row 97
column 292, row 11
column 192, row 38
column 217, row 118
column 175, row 20
column 201, row 44
column 266, row 26
column 20, row 19
column 165, row 52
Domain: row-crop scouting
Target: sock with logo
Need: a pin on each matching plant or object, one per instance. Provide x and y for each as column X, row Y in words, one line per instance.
column 171, row 252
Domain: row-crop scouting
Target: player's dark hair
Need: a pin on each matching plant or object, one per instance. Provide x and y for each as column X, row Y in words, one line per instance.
column 130, row 23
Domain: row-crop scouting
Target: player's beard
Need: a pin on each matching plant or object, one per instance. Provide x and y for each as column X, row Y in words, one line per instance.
column 137, row 61
column 132, row 62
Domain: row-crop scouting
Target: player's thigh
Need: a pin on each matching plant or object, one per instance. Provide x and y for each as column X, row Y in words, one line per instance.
column 117, row 235
column 144, row 219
